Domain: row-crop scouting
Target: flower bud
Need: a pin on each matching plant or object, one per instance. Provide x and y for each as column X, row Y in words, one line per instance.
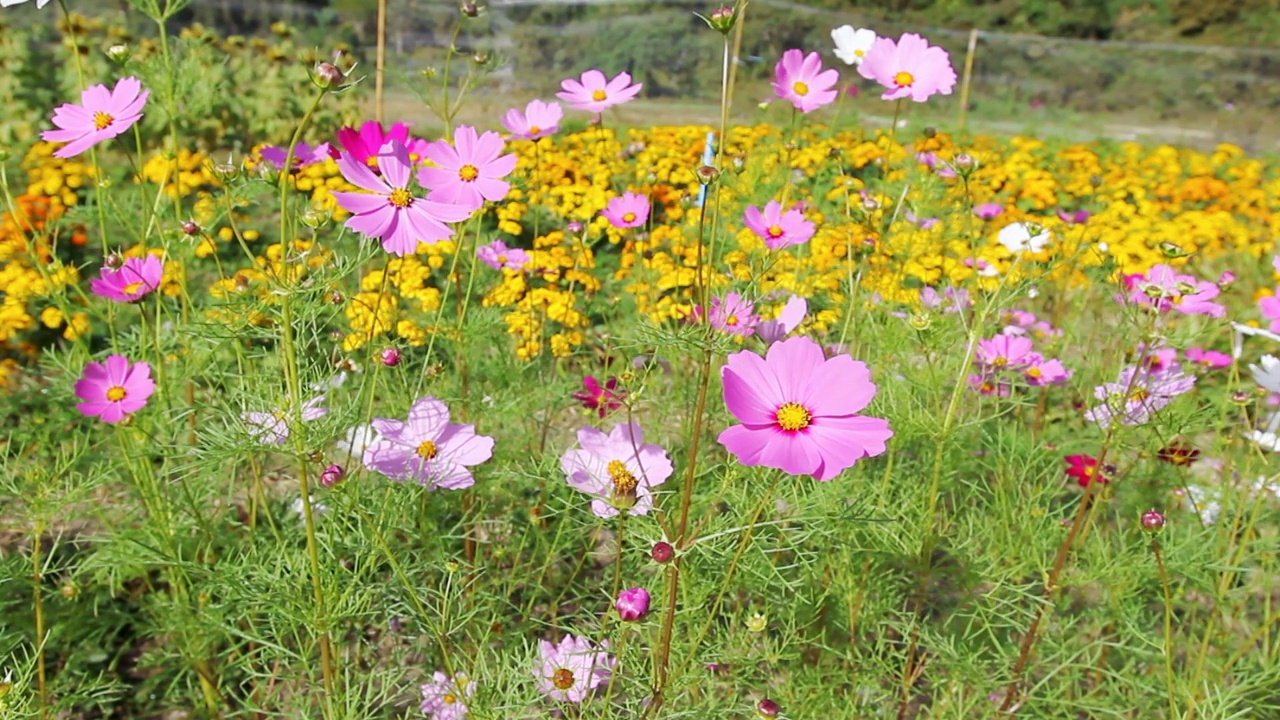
column 1152, row 521
column 480, row 59
column 574, row 227
column 1240, row 397
column 113, row 261
column 69, row 590
column 390, row 356
column 662, row 552
column 328, row 75
column 332, row 475
column 226, row 171
column 1226, row 278
column 336, row 298
column 964, row 161
column 757, row 623
column 722, row 19
column 118, row 54
column 190, row 228
column 767, row 708
column 706, row 174
column 632, row 604
column 468, row 8
column 930, row 132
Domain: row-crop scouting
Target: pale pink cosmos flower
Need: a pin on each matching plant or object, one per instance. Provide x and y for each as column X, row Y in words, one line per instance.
column 800, row 80
column 389, row 211
column 1208, row 358
column 988, row 211
column 733, row 314
column 303, row 155
column 570, row 670
column 1163, row 289
column 778, row 229
column 366, row 143
column 627, row 210
column 427, row 449
column 618, row 470
column 500, row 257
column 908, row 68
column 593, row 93
column 1040, row 372
column 1137, row 395
column 272, row 428
column 1003, row 352
column 792, row 314
column 539, row 120
column 101, row 115
column 799, row 410
column 115, row 389
column 1269, row 306
column 468, row 172
column 130, row 282
column 444, row 697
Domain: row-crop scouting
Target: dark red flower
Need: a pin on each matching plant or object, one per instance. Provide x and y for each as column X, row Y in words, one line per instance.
column 601, row 398
column 1179, row 452
column 1084, row 469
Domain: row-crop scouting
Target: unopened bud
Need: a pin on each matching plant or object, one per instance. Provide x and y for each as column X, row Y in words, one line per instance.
column 574, row 227
column 722, row 19
column 390, row 356
column 226, row 171
column 767, row 708
column 336, row 298
column 930, row 132
column 632, row 604
column 118, row 54
column 757, row 623
column 113, row 261
column 315, row 218
column 1152, row 521
column 190, row 228
column 69, row 590
column 706, row 174
column 964, row 161
column 332, row 475
column 662, row 552
column 1240, row 397
column 328, row 75
column 469, row 9
column 480, row 58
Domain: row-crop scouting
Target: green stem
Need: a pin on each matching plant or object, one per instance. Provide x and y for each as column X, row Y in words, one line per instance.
column 37, row 603
column 1168, row 628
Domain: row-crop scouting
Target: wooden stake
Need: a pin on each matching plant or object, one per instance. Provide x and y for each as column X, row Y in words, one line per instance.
column 968, row 76
column 382, row 60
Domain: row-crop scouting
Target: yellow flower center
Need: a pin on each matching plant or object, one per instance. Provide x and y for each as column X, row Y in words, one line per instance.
column 731, row 321
column 859, row 53
column 1000, row 362
column 1034, row 372
column 629, row 217
column 400, row 198
column 468, row 173
column 102, row 121
column 534, row 129
column 624, row 483
column 427, row 450
column 132, row 288
column 115, row 393
column 904, row 79
column 563, row 678
column 449, row 698
column 372, row 161
column 502, row 259
column 1139, row 395
column 598, row 96
column 793, row 417
column 775, row 231
column 800, row 89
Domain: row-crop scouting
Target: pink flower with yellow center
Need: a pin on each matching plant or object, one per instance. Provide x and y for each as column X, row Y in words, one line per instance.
column 909, row 68
column 778, row 229
column 114, row 389
column 130, row 282
column 593, row 93
column 539, row 119
column 468, row 172
column 800, row 80
column 627, row 210
column 101, row 115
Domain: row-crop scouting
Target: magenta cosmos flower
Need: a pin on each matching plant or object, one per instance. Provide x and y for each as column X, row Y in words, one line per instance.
column 272, row 428
column 617, row 469
column 303, row 155
column 734, row 315
column 538, row 120
column 468, row 172
column 427, row 449
column 444, row 698
column 799, row 410
column 388, row 211
column 101, row 115
column 593, row 93
column 131, row 281
column 1162, row 289
column 366, row 143
column 570, row 670
column 601, row 398
column 800, row 80
column 908, row 68
column 778, row 229
column 627, row 210
column 115, row 389
column 792, row 314
column 499, row 257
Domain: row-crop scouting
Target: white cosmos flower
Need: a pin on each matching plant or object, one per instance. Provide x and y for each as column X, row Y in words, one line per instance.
column 1267, row 374
column 852, row 45
column 1021, row 236
column 11, row 3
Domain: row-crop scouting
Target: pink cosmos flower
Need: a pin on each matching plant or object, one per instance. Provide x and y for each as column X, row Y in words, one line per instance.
column 601, row 398
column 132, row 281
column 1208, row 358
column 799, row 410
column 632, row 604
column 1162, row 289
column 1270, row 308
column 618, row 470
column 771, row 331
column 538, row 120
column 1003, row 352
column 101, row 115
column 593, row 93
column 303, row 155
column 950, row 301
column 444, row 698
column 1073, row 218
column 909, row 68
column 468, row 172
column 389, row 212
column 365, row 144
column 627, row 210
column 570, row 670
column 989, row 383
column 800, row 80
column 114, row 389
column 988, row 211
column 1084, row 469
column 1137, row 395
column 1040, row 372
column 428, row 448
column 498, row 256
column 734, row 315
column 272, row 428
column 776, row 228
